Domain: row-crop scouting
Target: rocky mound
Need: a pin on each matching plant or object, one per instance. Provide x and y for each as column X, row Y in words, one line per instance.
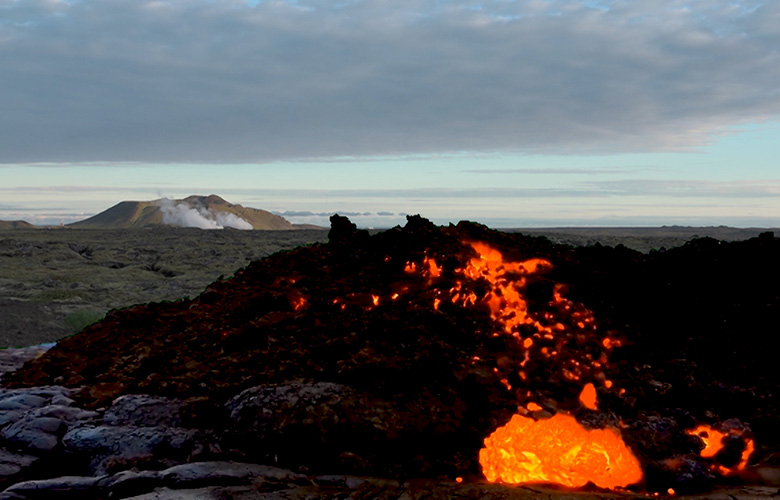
column 15, row 224
column 397, row 354
column 205, row 212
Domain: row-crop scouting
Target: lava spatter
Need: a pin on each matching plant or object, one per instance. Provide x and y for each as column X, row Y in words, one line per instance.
column 555, row 450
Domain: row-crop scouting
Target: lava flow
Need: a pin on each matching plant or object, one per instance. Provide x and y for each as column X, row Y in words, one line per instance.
column 555, row 450
column 558, row 450
column 715, row 442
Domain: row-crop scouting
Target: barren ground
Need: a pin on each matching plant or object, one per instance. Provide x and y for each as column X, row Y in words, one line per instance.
column 52, row 281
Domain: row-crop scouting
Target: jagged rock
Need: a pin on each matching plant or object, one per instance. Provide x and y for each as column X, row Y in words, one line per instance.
column 658, row 438
column 110, row 448
column 269, row 409
column 9, row 416
column 13, row 359
column 33, row 397
column 16, row 402
column 685, row 474
column 225, row 473
column 350, row 482
column 13, row 465
column 23, row 401
column 41, row 428
column 11, row 496
column 36, row 433
column 130, row 482
column 258, row 409
column 61, row 400
column 59, row 487
column 143, row 410
column 294, row 419
column 72, row 415
column 343, row 230
column 184, row 479
column 207, row 493
column 211, row 480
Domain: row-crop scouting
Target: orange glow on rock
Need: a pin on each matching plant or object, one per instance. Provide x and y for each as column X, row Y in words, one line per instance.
column 588, row 397
column 711, row 438
column 713, row 444
column 298, row 302
column 557, row 336
column 558, row 450
column 433, row 270
column 505, row 301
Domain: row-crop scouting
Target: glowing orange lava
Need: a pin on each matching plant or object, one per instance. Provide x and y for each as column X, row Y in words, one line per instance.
column 563, row 336
column 558, row 450
column 713, row 444
column 505, row 299
column 588, row 397
column 298, row 302
column 502, row 289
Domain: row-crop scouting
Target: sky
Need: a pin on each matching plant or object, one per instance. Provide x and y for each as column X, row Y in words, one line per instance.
column 507, row 112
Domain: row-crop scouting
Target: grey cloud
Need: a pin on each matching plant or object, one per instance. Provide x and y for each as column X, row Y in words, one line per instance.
column 306, row 213
column 581, row 190
column 70, row 189
column 557, row 171
column 690, row 188
column 301, row 213
column 352, row 214
column 222, row 81
column 428, row 193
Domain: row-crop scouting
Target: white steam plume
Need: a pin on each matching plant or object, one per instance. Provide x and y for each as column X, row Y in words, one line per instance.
column 185, row 215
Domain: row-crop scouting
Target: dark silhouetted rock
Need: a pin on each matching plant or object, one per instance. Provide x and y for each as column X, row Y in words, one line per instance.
column 144, row 410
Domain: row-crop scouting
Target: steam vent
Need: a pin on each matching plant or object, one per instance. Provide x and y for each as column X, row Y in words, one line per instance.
column 462, row 352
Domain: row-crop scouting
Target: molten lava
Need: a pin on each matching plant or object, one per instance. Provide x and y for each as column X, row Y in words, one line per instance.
column 715, row 441
column 507, row 281
column 558, row 450
column 588, row 397
column 563, row 334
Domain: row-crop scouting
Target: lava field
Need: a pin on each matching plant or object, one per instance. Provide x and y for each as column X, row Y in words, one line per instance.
column 442, row 336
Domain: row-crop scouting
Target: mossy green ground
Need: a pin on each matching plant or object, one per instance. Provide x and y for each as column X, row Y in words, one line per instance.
column 54, row 282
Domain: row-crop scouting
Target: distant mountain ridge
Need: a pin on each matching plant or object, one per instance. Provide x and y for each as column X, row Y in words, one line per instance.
column 15, row 224
column 205, row 212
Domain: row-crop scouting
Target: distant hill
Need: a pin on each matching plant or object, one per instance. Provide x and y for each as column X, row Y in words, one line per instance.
column 15, row 224
column 205, row 212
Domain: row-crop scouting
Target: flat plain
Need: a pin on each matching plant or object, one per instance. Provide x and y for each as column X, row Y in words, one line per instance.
column 54, row 281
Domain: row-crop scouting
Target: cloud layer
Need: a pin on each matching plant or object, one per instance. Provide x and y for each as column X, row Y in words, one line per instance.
column 230, row 81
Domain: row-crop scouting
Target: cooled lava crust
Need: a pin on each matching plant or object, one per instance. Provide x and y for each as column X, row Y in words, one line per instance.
column 696, row 323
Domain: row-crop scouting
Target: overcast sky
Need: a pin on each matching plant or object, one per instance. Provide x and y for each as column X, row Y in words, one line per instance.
column 539, row 112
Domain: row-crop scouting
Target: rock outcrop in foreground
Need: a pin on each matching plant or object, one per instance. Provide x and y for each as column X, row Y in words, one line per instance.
column 380, row 356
